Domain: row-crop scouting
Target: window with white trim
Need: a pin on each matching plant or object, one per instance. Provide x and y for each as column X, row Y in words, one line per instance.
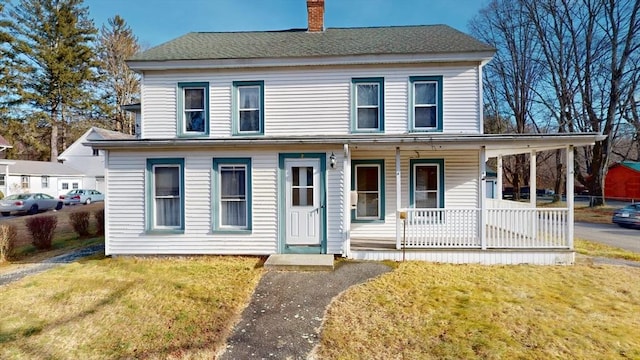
column 427, row 183
column 2, row 180
column 368, row 183
column 233, row 192
column 193, row 100
column 248, row 107
column 44, row 181
column 165, row 182
column 24, row 181
column 426, row 103
column 367, row 105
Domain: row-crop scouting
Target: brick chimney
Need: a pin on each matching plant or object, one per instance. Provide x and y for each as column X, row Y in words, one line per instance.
column 315, row 14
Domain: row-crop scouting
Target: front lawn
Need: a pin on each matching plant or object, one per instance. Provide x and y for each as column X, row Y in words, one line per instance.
column 439, row 311
column 152, row 308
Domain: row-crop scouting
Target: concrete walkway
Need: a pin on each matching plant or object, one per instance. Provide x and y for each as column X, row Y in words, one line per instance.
column 283, row 319
column 47, row 264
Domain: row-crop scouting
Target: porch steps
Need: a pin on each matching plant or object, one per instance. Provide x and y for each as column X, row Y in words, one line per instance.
column 299, row 262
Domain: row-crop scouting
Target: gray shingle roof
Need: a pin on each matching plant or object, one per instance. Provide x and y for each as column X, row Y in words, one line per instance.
column 395, row 40
column 111, row 135
column 29, row 167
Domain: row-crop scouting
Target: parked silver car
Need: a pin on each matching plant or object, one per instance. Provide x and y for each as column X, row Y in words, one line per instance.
column 29, row 203
column 82, row 196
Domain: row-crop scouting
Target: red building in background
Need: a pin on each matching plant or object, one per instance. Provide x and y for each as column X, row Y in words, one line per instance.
column 623, row 181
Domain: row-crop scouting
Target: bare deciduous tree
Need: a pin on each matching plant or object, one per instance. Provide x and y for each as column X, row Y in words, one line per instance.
column 117, row 43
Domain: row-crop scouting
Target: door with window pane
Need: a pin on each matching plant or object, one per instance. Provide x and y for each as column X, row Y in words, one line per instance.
column 302, row 202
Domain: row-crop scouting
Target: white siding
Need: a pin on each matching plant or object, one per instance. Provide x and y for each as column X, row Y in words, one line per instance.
column 126, row 206
column 314, row 101
column 460, row 178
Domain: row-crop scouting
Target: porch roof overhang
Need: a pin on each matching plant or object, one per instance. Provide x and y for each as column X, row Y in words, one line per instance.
column 495, row 144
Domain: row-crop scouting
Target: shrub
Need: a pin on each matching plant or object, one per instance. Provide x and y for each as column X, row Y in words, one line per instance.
column 41, row 229
column 8, row 235
column 99, row 215
column 80, row 222
column 1, row 195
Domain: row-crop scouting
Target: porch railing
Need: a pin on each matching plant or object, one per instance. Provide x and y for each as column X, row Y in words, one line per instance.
column 504, row 228
column 452, row 228
column 527, row 228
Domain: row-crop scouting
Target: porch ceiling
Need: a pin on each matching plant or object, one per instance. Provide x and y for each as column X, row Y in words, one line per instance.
column 496, row 144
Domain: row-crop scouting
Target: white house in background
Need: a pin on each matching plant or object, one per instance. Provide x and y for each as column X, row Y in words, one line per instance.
column 90, row 161
column 4, row 165
column 41, row 177
column 359, row 142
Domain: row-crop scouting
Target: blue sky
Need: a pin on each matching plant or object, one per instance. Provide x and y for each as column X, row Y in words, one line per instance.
column 158, row 21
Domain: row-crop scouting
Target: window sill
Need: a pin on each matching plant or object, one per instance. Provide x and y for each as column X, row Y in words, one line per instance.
column 231, row 232
column 364, row 131
column 367, row 221
column 164, row 231
column 194, row 135
column 249, row 134
column 425, row 130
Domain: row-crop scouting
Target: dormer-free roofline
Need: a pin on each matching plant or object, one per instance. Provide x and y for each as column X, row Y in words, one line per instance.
column 297, row 47
column 475, row 57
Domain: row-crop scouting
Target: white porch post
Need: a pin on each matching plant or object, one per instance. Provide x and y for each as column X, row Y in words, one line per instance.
column 398, row 199
column 532, row 179
column 482, row 216
column 569, row 192
column 499, row 178
column 346, row 218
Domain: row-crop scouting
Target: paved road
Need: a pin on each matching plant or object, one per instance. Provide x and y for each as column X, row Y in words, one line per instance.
column 609, row 234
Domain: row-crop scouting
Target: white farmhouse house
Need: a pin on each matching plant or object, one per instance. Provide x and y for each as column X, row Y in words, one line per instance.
column 90, row 161
column 361, row 142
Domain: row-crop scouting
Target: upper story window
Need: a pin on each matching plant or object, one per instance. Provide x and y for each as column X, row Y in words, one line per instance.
column 2, row 180
column 96, row 152
column 425, row 93
column 367, row 105
column 248, row 107
column 193, row 114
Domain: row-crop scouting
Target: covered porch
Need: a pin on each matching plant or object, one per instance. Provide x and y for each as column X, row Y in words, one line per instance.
column 494, row 231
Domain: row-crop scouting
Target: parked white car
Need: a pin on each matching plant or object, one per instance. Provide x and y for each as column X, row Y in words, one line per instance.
column 82, row 196
column 29, row 203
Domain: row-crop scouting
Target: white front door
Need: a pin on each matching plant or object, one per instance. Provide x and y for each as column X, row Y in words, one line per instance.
column 302, row 202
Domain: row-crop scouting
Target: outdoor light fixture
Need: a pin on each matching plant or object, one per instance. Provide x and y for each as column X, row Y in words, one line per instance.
column 332, row 160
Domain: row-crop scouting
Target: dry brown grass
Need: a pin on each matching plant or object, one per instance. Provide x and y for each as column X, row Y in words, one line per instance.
column 437, row 311
column 591, row 248
column 598, row 214
column 125, row 308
